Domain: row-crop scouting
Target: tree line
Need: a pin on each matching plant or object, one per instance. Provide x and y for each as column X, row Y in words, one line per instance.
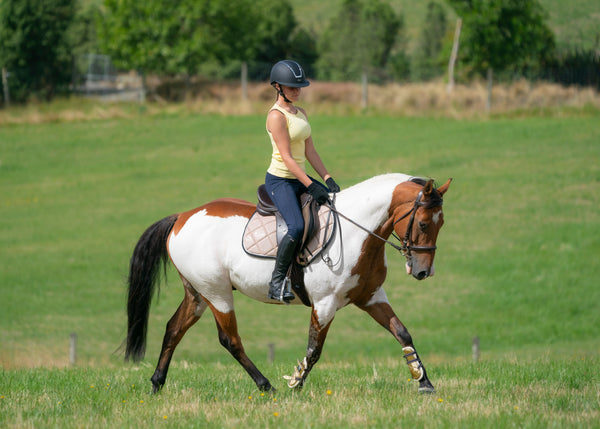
column 41, row 41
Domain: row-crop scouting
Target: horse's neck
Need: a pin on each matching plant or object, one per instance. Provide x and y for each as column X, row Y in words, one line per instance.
column 368, row 202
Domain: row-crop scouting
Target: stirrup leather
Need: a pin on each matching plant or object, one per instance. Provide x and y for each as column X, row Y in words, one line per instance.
column 414, row 363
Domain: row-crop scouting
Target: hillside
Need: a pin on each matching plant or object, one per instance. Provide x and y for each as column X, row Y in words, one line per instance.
column 575, row 23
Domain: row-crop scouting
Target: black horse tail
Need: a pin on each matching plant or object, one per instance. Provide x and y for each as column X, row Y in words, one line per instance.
column 144, row 276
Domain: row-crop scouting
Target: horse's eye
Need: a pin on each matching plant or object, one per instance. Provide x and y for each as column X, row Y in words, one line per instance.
column 423, row 226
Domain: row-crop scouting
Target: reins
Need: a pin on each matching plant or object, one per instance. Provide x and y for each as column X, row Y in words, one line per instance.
column 406, row 245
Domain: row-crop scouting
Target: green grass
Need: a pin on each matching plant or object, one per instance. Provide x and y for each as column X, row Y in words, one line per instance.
column 516, row 266
column 537, row 394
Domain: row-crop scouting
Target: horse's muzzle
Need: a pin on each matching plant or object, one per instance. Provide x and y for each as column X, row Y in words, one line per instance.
column 420, row 273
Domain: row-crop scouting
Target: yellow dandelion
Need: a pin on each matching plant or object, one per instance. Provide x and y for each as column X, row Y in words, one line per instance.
column 329, row 392
column 275, row 413
column 165, row 417
column 1, row 397
column 274, row 399
column 262, row 394
column 124, row 401
column 516, row 408
column 440, row 400
column 92, row 386
column 141, row 401
column 249, row 397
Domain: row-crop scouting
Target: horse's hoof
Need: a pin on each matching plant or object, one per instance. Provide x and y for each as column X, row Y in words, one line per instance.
column 267, row 387
column 426, row 390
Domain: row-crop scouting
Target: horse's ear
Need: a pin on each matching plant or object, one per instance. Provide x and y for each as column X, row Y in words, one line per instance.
column 428, row 188
column 442, row 189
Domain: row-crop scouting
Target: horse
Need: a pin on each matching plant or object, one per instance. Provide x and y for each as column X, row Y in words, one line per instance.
column 204, row 245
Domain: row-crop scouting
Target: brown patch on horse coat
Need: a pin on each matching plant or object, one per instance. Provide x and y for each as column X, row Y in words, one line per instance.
column 371, row 267
column 223, row 207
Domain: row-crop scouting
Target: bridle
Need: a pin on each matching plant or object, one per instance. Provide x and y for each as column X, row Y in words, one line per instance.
column 406, row 244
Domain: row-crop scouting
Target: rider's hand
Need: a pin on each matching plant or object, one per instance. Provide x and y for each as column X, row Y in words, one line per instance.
column 318, row 192
column 333, row 187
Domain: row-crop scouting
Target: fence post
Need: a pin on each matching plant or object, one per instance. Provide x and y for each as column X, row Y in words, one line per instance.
column 5, row 86
column 271, row 355
column 365, row 91
column 73, row 349
column 244, row 81
column 490, row 78
column 475, row 349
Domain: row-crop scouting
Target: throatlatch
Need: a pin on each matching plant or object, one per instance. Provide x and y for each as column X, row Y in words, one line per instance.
column 414, row 363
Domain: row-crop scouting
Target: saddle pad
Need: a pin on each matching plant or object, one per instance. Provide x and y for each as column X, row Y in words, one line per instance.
column 260, row 235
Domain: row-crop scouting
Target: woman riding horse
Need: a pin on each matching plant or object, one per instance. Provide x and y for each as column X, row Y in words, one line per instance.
column 286, row 178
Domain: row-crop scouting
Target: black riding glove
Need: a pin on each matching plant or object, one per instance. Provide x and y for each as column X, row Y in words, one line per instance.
column 318, row 192
column 333, row 187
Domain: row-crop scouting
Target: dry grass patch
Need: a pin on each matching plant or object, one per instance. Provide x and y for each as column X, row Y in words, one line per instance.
column 343, row 98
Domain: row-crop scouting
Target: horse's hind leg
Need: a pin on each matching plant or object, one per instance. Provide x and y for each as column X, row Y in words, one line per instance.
column 385, row 316
column 188, row 313
column 230, row 339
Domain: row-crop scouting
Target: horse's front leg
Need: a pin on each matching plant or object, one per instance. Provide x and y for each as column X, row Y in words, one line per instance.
column 320, row 321
column 384, row 314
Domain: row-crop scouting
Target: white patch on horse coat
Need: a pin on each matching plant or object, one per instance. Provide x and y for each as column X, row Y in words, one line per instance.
column 436, row 217
column 208, row 252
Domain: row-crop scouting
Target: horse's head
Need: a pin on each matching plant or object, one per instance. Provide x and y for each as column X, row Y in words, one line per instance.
column 417, row 218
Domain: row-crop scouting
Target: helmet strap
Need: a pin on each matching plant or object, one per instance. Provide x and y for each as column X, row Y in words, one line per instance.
column 279, row 90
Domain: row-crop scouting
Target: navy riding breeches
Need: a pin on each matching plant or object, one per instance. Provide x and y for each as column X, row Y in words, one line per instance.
column 285, row 194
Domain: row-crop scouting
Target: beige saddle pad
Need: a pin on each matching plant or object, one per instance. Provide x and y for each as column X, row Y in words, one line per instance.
column 260, row 236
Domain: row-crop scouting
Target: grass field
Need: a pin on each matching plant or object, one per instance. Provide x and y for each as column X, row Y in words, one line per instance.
column 516, row 266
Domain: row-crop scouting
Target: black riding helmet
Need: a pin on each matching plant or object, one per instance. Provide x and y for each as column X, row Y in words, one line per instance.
column 288, row 73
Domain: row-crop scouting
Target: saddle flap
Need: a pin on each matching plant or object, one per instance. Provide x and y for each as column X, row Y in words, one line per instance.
column 260, row 234
column 265, row 205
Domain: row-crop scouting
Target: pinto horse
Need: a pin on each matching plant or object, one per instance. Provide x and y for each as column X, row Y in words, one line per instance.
column 204, row 244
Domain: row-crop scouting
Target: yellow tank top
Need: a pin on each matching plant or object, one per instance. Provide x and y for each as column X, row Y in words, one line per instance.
column 299, row 130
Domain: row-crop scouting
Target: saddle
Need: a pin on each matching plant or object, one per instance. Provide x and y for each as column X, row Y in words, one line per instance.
column 266, row 228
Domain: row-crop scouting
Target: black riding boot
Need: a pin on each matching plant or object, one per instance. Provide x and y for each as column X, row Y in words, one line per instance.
column 277, row 285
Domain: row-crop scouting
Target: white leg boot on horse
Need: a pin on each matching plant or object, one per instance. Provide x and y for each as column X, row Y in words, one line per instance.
column 278, row 287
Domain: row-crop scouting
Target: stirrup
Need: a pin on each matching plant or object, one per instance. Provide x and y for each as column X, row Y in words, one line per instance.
column 284, row 294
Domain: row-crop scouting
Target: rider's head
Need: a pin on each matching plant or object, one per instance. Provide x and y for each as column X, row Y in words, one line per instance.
column 287, row 73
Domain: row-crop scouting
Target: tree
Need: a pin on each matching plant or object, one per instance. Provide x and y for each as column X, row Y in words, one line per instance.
column 358, row 39
column 427, row 63
column 274, row 28
column 181, row 36
column 504, row 35
column 34, row 46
